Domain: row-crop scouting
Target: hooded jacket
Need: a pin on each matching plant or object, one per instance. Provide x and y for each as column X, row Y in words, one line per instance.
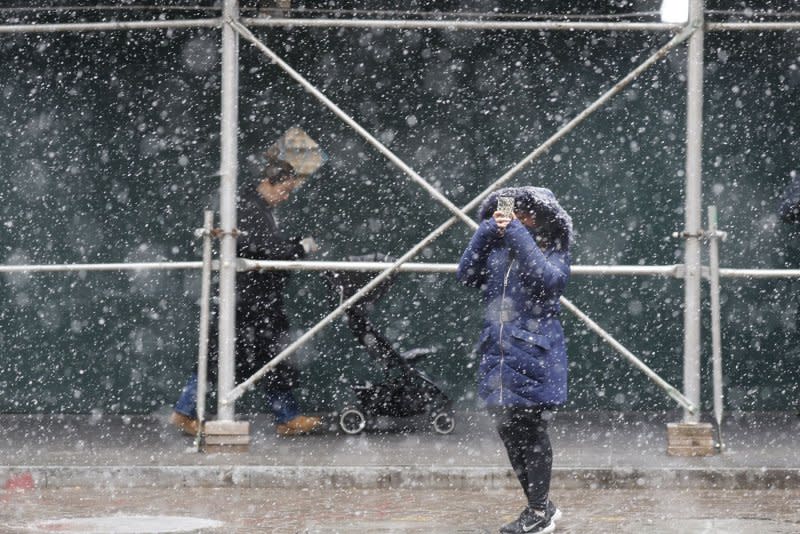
column 522, row 348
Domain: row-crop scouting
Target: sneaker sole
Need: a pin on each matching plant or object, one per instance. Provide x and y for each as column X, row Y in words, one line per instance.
column 546, row 530
column 550, row 528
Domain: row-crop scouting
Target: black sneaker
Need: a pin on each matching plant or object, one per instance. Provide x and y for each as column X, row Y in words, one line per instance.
column 510, row 528
column 553, row 510
column 530, row 521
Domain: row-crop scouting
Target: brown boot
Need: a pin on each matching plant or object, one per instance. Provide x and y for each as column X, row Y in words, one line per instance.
column 186, row 424
column 301, row 424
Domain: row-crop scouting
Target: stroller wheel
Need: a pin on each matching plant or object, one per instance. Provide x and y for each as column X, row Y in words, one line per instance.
column 444, row 422
column 352, row 421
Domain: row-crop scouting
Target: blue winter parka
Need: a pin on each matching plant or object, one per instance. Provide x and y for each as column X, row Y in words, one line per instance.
column 521, row 345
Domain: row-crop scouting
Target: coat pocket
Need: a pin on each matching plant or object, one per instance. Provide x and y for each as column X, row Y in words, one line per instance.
column 531, row 339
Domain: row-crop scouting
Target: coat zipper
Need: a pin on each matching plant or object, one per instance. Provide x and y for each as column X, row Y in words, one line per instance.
column 502, row 325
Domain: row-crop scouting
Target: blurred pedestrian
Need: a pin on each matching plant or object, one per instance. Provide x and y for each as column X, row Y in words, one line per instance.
column 789, row 210
column 261, row 323
column 790, row 200
column 521, row 262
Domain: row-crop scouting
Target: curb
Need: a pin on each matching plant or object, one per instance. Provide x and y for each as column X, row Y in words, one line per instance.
column 382, row 477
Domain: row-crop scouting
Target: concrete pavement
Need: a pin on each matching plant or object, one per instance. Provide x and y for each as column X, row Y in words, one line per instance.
column 315, row 509
column 591, row 450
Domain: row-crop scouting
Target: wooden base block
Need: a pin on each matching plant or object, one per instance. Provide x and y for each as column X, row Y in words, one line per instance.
column 690, row 439
column 227, row 439
column 226, row 436
column 213, row 449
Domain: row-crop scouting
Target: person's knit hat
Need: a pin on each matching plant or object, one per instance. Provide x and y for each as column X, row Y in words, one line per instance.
column 296, row 148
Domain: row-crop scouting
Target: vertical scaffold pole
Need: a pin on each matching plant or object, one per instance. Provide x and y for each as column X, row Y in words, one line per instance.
column 227, row 209
column 714, row 236
column 693, row 215
column 202, row 350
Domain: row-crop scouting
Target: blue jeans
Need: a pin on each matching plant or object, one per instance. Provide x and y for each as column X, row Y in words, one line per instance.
column 281, row 402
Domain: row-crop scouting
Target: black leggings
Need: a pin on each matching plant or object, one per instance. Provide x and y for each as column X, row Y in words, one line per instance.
column 524, row 433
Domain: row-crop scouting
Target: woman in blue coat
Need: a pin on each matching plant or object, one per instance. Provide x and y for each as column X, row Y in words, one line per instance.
column 521, row 263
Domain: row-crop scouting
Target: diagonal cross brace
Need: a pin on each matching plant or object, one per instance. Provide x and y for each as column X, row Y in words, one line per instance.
column 461, row 214
column 308, row 86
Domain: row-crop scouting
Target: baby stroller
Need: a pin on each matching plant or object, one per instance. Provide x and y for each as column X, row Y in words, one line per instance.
column 404, row 390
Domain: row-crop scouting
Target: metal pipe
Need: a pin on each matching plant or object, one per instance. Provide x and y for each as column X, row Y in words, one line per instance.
column 671, row 271
column 759, row 273
column 690, row 406
column 387, row 24
column 229, row 129
column 459, row 24
column 111, row 26
column 202, row 350
column 693, row 214
column 675, row 271
column 282, row 265
column 716, row 330
column 752, row 26
column 316, row 93
column 77, row 267
column 241, row 388
column 362, row 266
column 75, row 9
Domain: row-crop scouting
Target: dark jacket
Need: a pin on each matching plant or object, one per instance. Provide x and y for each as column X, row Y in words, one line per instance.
column 261, row 323
column 789, row 236
column 522, row 348
column 259, row 295
column 790, row 201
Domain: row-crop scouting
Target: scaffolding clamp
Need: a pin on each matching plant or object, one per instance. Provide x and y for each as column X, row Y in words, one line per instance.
column 217, row 233
column 716, row 234
column 703, row 234
column 688, row 235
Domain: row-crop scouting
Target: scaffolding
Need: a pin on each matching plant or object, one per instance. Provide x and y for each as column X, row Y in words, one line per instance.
column 233, row 26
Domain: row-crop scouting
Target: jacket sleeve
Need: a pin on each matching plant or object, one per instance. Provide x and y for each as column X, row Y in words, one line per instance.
column 790, row 204
column 472, row 269
column 259, row 242
column 539, row 271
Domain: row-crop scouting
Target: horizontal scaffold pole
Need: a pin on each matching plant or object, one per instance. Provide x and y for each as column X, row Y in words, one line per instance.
column 477, row 25
column 671, row 271
column 399, row 24
column 78, row 27
column 78, row 267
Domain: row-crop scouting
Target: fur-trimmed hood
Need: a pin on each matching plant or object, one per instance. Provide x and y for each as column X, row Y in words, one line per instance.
column 554, row 223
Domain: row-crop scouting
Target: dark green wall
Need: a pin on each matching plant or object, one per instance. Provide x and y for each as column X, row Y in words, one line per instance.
column 110, row 147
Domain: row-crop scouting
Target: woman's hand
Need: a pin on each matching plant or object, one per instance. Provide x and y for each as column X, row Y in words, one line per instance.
column 502, row 221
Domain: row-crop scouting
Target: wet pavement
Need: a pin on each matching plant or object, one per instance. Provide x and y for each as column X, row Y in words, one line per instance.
column 318, row 510
column 68, row 473
column 591, row 449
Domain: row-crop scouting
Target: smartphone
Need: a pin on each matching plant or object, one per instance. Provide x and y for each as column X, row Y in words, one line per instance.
column 506, row 205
